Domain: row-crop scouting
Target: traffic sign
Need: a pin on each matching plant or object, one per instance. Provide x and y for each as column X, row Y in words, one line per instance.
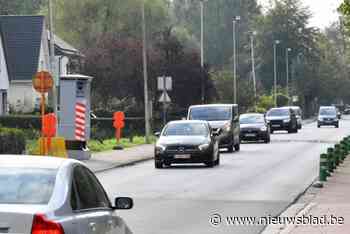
column 118, row 120
column 165, row 83
column 164, row 97
column 43, row 82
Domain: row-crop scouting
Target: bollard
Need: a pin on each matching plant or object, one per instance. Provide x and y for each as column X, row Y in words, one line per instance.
column 337, row 154
column 330, row 160
column 323, row 168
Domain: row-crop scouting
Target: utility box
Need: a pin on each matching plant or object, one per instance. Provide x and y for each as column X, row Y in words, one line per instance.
column 74, row 122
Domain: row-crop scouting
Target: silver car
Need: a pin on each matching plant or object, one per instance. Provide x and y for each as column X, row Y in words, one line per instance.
column 53, row 195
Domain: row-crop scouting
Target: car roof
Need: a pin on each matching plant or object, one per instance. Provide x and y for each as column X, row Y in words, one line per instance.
column 280, row 108
column 327, row 107
column 293, row 107
column 188, row 121
column 25, row 161
column 252, row 114
column 215, row 105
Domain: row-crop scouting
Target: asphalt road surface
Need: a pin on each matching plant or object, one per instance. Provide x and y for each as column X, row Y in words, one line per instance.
column 261, row 180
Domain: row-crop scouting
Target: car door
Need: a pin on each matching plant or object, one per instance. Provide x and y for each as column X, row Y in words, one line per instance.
column 91, row 206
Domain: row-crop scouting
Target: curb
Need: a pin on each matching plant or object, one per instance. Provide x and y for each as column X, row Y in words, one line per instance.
column 119, row 165
column 288, row 212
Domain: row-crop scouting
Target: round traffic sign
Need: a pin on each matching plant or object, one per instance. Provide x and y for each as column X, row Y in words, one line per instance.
column 43, row 82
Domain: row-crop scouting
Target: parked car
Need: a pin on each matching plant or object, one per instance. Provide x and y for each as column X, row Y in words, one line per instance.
column 53, row 195
column 347, row 111
column 327, row 115
column 221, row 117
column 282, row 118
column 187, row 141
column 254, row 127
column 298, row 114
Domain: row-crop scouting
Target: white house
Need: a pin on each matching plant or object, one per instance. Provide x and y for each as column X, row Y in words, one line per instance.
column 4, row 80
column 26, row 51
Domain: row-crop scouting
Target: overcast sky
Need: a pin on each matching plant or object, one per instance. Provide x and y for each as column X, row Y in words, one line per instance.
column 324, row 11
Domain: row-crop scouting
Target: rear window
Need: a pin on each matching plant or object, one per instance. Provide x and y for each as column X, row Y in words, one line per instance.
column 26, row 186
column 218, row 113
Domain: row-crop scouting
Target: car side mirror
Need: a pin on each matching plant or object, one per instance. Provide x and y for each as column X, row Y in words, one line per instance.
column 157, row 134
column 123, row 203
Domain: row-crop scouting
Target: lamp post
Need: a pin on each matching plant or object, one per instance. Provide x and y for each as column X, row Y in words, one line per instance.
column 235, row 20
column 202, row 51
column 253, row 66
column 145, row 74
column 52, row 59
column 287, row 70
column 276, row 42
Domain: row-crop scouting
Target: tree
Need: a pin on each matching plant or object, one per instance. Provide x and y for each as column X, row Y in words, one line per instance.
column 21, row 7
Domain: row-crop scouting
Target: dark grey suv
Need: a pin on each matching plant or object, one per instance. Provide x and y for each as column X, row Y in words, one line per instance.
column 282, row 118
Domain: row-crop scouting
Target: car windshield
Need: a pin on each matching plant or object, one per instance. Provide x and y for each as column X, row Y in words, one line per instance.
column 186, row 129
column 251, row 119
column 210, row 113
column 278, row 112
column 328, row 111
column 26, row 186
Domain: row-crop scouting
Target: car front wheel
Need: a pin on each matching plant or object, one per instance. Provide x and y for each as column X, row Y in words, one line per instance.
column 158, row 164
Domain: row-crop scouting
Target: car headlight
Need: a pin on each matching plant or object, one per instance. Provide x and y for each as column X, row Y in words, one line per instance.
column 267, row 121
column 320, row 119
column 264, row 128
column 227, row 127
column 286, row 120
column 160, row 148
column 203, row 147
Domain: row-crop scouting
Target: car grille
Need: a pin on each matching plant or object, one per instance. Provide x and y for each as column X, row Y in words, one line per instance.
column 276, row 122
column 181, row 148
column 250, row 130
column 327, row 119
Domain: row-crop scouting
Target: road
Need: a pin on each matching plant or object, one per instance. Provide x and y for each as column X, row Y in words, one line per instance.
column 260, row 180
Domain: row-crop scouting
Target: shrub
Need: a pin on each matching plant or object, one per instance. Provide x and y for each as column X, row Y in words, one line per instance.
column 12, row 141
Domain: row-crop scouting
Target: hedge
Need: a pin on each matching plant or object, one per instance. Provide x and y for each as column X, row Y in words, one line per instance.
column 12, row 141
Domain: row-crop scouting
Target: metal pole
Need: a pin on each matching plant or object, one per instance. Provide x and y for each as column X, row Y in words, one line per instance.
column 274, row 74
column 202, row 52
column 234, row 64
column 52, row 59
column 253, row 69
column 287, row 70
column 164, row 101
column 145, row 75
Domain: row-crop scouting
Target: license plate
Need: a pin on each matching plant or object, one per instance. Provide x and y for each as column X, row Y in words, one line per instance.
column 250, row 134
column 276, row 125
column 182, row 156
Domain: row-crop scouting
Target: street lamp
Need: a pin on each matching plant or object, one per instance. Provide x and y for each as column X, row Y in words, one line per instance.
column 287, row 69
column 253, row 66
column 276, row 42
column 145, row 75
column 235, row 20
column 202, row 51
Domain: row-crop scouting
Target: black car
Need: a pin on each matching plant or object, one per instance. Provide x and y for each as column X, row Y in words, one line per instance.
column 327, row 115
column 221, row 117
column 187, row 141
column 254, row 128
column 282, row 118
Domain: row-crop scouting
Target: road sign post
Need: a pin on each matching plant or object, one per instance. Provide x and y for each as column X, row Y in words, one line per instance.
column 118, row 124
column 43, row 83
column 164, row 85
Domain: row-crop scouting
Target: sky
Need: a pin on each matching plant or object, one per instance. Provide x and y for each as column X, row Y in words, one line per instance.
column 324, row 11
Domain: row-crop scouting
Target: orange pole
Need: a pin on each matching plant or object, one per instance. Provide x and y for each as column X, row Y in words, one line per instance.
column 42, row 124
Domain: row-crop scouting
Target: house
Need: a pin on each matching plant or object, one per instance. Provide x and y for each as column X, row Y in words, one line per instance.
column 26, row 51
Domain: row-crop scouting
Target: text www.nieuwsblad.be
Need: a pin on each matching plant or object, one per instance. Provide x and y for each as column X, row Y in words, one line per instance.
column 217, row 220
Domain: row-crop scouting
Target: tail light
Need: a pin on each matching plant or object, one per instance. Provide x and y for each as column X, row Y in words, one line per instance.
column 41, row 225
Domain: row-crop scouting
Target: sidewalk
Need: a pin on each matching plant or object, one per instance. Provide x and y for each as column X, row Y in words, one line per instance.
column 117, row 158
column 332, row 200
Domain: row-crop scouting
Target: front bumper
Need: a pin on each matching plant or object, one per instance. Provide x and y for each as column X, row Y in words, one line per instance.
column 253, row 136
column 185, row 157
column 279, row 126
column 328, row 123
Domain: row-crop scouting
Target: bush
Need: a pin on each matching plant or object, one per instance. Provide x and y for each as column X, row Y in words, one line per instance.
column 12, row 141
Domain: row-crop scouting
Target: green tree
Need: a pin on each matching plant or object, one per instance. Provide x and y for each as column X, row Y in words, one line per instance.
column 21, row 7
